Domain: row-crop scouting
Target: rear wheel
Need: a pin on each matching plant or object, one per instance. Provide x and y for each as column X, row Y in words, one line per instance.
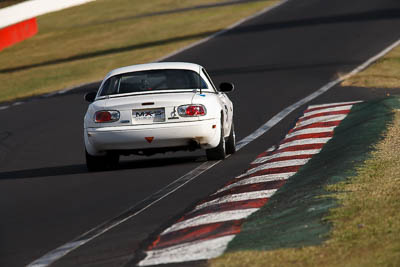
column 95, row 163
column 219, row 152
column 231, row 141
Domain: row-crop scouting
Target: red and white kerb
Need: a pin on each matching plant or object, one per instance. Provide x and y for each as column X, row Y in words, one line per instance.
column 205, row 232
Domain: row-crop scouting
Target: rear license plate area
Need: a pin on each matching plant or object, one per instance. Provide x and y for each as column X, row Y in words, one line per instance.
column 148, row 116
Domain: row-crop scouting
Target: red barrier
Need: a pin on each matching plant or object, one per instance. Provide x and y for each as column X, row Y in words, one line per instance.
column 17, row 32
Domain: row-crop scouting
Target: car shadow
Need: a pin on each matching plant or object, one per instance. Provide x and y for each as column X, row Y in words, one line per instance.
column 81, row 168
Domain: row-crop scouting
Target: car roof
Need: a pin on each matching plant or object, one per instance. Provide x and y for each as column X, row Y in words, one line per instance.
column 154, row 66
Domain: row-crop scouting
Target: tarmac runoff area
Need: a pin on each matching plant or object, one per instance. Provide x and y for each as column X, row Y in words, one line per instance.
column 205, row 231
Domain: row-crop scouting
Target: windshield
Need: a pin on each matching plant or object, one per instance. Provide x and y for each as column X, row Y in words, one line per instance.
column 145, row 81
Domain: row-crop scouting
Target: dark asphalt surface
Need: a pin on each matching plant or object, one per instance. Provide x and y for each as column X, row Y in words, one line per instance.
column 47, row 197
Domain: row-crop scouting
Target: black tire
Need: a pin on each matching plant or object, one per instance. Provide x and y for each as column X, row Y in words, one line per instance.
column 219, row 152
column 101, row 163
column 231, row 141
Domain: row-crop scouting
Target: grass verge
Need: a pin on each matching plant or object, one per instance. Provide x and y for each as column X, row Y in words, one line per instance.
column 81, row 44
column 6, row 3
column 384, row 73
column 360, row 204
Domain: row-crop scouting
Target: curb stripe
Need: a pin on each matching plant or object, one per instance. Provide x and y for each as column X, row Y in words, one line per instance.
column 322, row 119
column 330, row 109
column 284, row 158
column 307, row 136
column 265, row 191
column 198, row 233
column 311, row 130
column 316, row 125
column 268, row 152
column 307, row 141
column 275, row 165
column 301, row 147
column 258, row 179
column 323, row 114
column 197, row 250
column 322, row 106
column 210, row 218
column 232, row 205
column 285, row 154
column 271, row 176
column 271, row 171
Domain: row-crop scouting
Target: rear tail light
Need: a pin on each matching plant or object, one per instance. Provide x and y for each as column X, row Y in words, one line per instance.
column 192, row 110
column 106, row 116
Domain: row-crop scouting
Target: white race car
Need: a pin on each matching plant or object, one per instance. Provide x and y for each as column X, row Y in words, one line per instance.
column 156, row 108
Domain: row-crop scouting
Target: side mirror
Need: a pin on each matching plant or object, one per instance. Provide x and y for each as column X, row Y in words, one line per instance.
column 226, row 87
column 90, row 97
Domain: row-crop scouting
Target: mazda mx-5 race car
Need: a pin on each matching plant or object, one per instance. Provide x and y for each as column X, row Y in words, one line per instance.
column 156, row 108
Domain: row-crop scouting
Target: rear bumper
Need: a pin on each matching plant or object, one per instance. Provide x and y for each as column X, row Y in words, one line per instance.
column 100, row 140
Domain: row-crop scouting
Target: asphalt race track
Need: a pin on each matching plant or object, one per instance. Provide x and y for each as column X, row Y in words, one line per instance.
column 47, row 197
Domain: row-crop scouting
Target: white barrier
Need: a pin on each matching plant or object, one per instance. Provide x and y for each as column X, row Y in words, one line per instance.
column 33, row 8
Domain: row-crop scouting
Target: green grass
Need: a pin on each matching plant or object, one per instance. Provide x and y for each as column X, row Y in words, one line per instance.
column 385, row 73
column 358, row 171
column 81, row 44
column 6, row 3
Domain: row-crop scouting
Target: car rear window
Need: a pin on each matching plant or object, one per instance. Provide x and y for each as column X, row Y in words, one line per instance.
column 152, row 80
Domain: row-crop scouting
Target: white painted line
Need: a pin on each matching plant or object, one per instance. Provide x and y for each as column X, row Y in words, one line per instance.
column 319, row 111
column 335, row 104
column 198, row 250
column 311, row 131
column 286, row 154
column 210, row 218
column 64, row 91
column 277, row 164
column 17, row 104
column 58, row 253
column 237, row 197
column 321, row 119
column 4, row 107
column 307, row 141
column 258, row 179
column 50, row 94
